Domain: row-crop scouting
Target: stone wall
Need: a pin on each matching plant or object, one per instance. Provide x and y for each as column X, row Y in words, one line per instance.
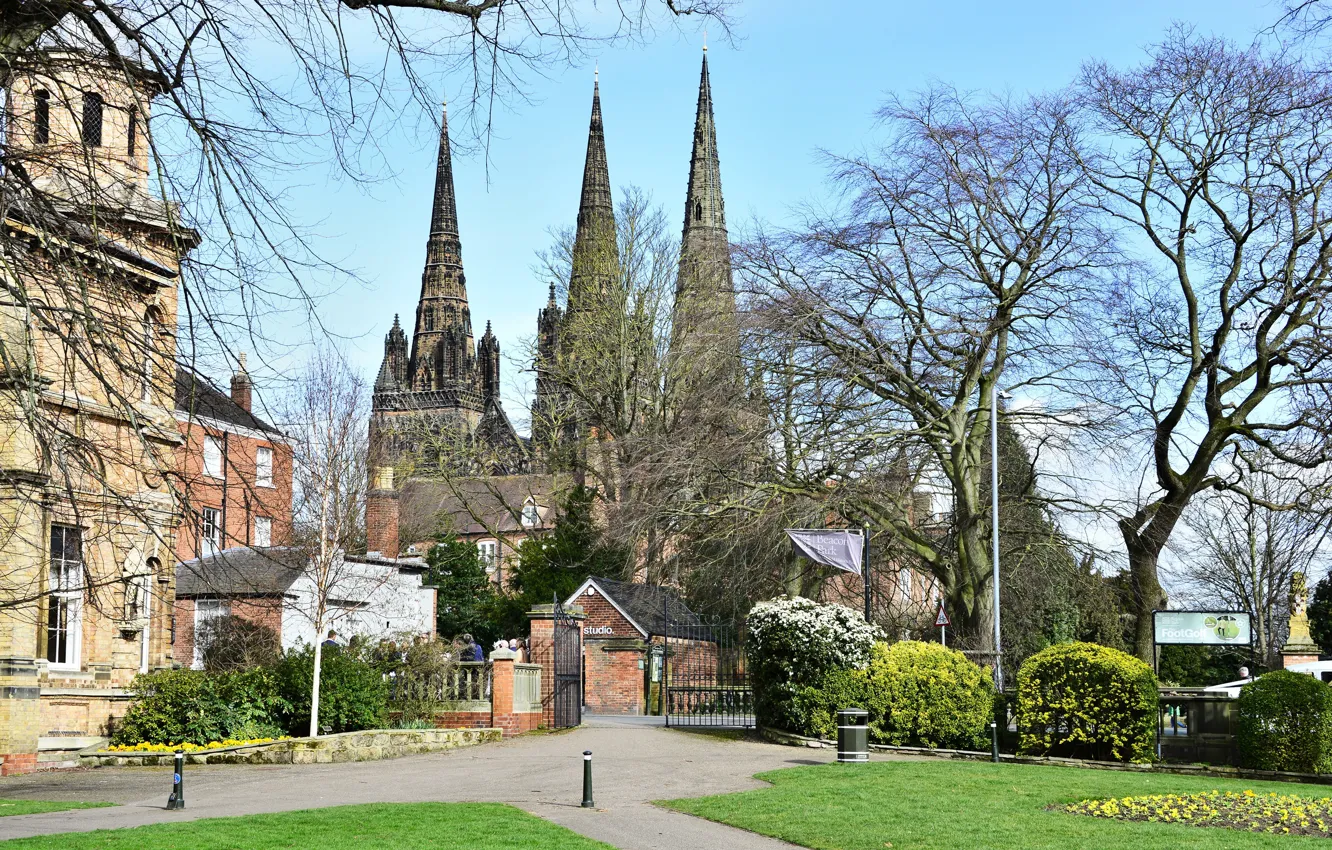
column 369, row 745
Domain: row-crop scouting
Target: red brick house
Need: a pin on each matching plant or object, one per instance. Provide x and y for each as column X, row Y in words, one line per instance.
column 623, row 638
column 235, row 469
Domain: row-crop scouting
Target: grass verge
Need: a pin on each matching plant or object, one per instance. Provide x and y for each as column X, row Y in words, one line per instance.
column 403, row 826
column 926, row 805
column 37, row 807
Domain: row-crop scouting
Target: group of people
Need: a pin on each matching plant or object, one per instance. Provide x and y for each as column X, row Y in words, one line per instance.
column 472, row 651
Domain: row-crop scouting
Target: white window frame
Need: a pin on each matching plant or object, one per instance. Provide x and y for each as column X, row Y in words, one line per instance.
column 904, row 581
column 531, row 516
column 147, row 367
column 213, row 464
column 489, row 552
column 205, row 610
column 263, row 467
column 264, row 538
column 210, row 544
column 66, row 596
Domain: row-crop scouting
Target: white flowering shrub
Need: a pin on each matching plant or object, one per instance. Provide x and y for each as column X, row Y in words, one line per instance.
column 795, row 643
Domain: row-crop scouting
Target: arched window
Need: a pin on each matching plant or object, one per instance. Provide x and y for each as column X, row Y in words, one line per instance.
column 92, row 119
column 430, row 318
column 148, row 344
column 698, row 210
column 41, row 116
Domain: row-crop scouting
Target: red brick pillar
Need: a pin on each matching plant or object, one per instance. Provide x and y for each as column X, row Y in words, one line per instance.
column 381, row 514
column 501, row 692
column 541, row 649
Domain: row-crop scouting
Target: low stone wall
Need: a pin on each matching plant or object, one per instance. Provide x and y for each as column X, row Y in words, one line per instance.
column 369, row 745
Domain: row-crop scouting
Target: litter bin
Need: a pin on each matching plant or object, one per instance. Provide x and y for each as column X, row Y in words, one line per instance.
column 853, row 735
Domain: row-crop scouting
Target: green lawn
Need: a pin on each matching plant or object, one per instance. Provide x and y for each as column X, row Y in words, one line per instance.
column 946, row 805
column 36, row 807
column 402, row 826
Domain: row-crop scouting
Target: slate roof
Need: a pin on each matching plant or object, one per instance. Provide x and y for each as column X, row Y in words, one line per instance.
column 648, row 605
column 197, row 397
column 242, row 571
column 482, row 505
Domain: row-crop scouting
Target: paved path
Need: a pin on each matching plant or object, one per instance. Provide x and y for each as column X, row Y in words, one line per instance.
column 634, row 763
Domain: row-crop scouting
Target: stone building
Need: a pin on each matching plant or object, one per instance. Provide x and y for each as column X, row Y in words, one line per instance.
column 88, row 433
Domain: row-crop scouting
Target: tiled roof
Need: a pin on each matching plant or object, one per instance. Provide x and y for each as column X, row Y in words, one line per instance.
column 483, row 505
column 648, row 605
column 196, row 397
column 242, row 571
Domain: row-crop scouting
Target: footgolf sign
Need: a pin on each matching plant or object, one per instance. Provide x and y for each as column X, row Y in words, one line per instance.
column 1210, row 628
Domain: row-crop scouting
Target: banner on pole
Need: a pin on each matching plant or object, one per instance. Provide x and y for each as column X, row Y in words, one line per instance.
column 834, row 547
column 1210, row 628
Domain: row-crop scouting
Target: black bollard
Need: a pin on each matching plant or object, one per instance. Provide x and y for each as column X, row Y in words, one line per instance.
column 994, row 742
column 177, row 798
column 587, row 780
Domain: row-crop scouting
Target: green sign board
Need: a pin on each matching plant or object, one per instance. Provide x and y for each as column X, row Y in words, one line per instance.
column 1213, row 628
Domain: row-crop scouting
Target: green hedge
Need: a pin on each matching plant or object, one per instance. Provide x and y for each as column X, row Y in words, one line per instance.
column 926, row 695
column 1083, row 697
column 1285, row 723
column 192, row 706
column 352, row 692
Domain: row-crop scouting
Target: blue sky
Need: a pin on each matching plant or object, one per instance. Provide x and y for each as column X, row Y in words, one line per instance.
column 796, row 81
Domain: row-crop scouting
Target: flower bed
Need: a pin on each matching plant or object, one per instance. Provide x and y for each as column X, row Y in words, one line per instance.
column 146, row 747
column 1283, row 814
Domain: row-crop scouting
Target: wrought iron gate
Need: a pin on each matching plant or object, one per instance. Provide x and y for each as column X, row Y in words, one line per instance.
column 568, row 695
column 705, row 681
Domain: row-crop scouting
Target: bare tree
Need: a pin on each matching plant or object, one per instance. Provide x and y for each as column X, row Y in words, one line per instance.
column 1243, row 556
column 1211, row 347
column 325, row 421
column 949, row 270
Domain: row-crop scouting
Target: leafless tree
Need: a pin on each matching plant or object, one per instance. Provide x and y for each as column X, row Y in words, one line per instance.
column 1243, row 555
column 1211, row 345
column 325, row 420
column 949, row 269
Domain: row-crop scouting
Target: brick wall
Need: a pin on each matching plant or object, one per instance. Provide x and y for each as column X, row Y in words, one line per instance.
column 602, row 615
column 266, row 611
column 381, row 523
column 614, row 679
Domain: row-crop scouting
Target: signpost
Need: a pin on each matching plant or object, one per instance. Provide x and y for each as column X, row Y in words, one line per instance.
column 1200, row 628
column 941, row 620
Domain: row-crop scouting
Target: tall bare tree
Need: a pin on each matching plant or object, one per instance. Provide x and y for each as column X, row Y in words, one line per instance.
column 949, row 270
column 1211, row 346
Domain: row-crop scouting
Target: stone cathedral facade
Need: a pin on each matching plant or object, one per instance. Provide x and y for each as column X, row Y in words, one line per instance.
column 441, row 392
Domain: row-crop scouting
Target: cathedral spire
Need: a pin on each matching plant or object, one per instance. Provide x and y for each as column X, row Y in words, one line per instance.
column 704, row 207
column 442, row 336
column 595, row 254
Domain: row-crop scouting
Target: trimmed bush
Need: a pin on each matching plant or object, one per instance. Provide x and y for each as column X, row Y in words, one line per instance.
column 796, row 643
column 926, row 695
column 195, row 707
column 1083, row 696
column 817, row 705
column 1285, row 723
column 352, row 692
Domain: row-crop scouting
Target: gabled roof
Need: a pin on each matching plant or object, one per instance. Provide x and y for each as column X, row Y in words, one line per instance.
column 198, row 399
column 491, row 504
column 242, row 571
column 645, row 606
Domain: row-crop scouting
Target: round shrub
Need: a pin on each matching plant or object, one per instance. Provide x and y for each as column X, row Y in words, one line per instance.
column 796, row 643
column 196, row 707
column 1087, row 698
column 352, row 692
column 1285, row 723
column 926, row 695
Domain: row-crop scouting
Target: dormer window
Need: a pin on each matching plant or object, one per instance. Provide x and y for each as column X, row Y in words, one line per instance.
column 92, row 119
column 41, row 116
column 531, row 516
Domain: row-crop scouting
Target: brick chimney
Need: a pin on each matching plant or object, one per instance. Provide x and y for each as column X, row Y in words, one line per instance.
column 381, row 514
column 241, row 388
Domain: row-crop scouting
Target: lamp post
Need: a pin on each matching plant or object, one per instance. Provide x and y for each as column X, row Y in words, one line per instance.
column 994, row 523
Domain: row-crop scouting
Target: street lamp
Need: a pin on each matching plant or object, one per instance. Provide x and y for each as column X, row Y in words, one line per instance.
column 995, row 395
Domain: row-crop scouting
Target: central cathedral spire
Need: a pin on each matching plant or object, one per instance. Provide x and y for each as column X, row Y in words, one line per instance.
column 596, row 257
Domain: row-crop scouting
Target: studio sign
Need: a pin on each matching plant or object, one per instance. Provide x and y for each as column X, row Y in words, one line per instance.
column 597, row 630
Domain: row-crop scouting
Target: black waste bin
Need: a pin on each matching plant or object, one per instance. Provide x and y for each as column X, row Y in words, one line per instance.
column 853, row 735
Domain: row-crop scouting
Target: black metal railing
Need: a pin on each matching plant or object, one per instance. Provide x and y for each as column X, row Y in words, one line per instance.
column 705, row 679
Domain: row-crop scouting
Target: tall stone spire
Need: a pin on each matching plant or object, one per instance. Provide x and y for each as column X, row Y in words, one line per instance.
column 705, row 294
column 442, row 346
column 596, row 256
